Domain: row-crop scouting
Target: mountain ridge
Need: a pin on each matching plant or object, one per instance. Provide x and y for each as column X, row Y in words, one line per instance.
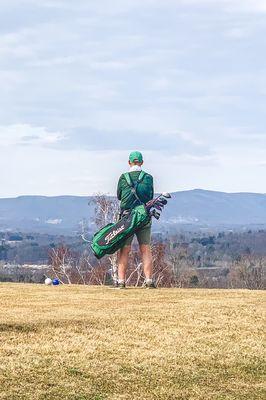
column 195, row 207
column 83, row 196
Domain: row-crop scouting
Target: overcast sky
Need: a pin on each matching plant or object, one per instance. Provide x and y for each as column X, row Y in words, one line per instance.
column 82, row 83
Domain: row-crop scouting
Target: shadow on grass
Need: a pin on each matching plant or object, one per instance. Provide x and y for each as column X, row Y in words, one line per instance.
column 23, row 328
column 37, row 327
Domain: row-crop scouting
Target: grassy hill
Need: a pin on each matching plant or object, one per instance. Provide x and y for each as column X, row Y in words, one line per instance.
column 94, row 343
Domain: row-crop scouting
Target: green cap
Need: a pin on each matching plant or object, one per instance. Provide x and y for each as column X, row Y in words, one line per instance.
column 135, row 156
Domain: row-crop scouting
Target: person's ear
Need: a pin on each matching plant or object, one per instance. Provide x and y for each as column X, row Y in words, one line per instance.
column 141, row 163
column 129, row 162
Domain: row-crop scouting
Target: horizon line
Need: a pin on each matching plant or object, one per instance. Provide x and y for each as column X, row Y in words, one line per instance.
column 112, row 195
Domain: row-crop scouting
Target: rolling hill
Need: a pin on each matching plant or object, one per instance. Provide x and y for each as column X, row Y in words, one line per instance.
column 194, row 208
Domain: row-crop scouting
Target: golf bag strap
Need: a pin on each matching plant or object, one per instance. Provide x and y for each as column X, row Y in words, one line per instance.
column 141, row 176
column 129, row 180
column 134, row 186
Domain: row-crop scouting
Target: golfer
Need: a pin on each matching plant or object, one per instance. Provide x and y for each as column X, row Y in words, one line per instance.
column 142, row 184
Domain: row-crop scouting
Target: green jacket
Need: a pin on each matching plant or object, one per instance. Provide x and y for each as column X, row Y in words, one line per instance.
column 144, row 190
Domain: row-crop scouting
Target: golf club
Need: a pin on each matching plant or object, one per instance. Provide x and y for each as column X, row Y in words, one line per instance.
column 159, row 203
column 163, row 201
column 158, row 207
column 164, row 195
column 155, row 214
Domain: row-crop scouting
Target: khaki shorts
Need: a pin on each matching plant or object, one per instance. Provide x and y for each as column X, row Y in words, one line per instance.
column 143, row 235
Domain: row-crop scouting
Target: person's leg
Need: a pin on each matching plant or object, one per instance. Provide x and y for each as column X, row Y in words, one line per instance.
column 144, row 239
column 122, row 262
column 145, row 250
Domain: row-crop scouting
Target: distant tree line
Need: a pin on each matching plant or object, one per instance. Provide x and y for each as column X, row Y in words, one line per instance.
column 183, row 259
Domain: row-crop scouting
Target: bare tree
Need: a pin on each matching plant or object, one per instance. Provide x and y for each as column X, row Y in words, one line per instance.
column 135, row 270
column 162, row 271
column 107, row 211
column 249, row 272
column 181, row 265
column 62, row 262
column 96, row 274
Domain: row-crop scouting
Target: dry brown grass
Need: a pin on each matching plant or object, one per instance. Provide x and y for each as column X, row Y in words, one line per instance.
column 79, row 343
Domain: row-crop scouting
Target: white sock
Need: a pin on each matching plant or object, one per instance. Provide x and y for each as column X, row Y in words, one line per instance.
column 121, row 281
column 149, row 280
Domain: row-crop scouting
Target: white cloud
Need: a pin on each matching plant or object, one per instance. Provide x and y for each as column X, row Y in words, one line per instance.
column 17, row 43
column 24, row 134
column 118, row 7
column 247, row 5
column 229, row 5
column 237, row 33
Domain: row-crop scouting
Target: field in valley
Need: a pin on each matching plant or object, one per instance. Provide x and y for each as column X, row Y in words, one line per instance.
column 94, row 343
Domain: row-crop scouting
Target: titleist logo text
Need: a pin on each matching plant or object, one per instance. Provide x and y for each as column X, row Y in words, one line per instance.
column 113, row 234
